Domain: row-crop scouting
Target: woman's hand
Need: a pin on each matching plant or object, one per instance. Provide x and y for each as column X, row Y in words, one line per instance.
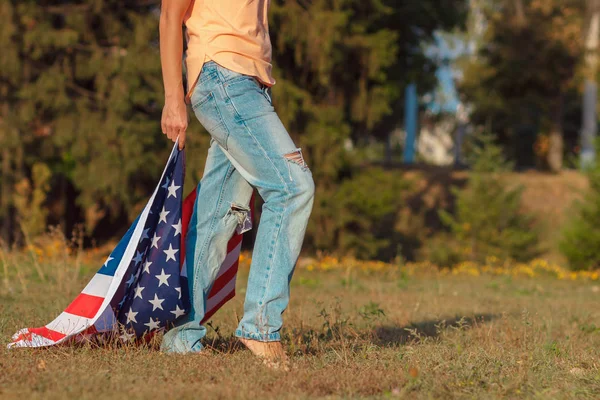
column 174, row 121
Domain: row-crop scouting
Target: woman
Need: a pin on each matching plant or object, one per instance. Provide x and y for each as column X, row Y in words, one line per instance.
column 228, row 61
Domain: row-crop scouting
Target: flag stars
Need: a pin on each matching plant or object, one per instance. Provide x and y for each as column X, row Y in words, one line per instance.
column 178, row 312
column 147, row 265
column 122, row 302
column 152, row 325
column 178, row 289
column 131, row 316
column 138, row 291
column 170, row 252
column 173, row 189
column 109, row 259
column 127, row 337
column 145, row 234
column 166, row 185
column 163, row 215
column 177, row 227
column 163, row 278
column 156, row 303
column 138, row 257
column 130, row 280
column 155, row 240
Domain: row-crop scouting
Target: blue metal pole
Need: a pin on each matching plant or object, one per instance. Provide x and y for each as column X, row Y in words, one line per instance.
column 590, row 124
column 410, row 122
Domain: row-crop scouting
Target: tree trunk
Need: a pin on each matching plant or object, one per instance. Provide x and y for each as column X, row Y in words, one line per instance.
column 520, row 12
column 555, row 150
column 556, row 143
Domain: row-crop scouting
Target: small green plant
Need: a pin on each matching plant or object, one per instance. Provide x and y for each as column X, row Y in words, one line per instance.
column 371, row 311
column 580, row 242
column 488, row 220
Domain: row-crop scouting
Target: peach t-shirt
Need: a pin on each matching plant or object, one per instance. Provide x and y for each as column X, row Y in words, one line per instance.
column 233, row 33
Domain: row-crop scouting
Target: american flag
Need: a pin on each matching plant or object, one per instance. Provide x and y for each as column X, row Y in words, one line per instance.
column 141, row 288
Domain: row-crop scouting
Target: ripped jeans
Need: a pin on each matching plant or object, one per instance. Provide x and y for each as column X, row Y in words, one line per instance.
column 250, row 148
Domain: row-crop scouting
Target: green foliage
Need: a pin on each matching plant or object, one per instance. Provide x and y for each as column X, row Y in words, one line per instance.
column 442, row 250
column 81, row 91
column 580, row 243
column 366, row 206
column 524, row 76
column 29, row 198
column 488, row 221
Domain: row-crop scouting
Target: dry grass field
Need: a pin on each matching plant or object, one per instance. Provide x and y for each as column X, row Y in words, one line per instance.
column 351, row 334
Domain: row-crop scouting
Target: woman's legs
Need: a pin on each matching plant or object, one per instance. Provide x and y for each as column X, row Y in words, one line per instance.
column 237, row 112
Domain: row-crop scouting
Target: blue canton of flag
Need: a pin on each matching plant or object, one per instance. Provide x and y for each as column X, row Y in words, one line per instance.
column 155, row 292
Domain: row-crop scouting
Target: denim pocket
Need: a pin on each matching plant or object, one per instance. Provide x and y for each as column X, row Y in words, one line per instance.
column 208, row 114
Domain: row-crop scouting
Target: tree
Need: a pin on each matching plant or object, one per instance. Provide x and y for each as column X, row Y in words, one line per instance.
column 526, row 71
column 488, row 219
column 82, row 93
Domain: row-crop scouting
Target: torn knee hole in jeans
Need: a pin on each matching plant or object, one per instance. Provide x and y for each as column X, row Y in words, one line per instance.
column 297, row 158
column 242, row 215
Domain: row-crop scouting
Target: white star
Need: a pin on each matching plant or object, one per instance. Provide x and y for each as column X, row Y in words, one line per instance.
column 178, row 311
column 126, row 337
column 156, row 303
column 177, row 228
column 108, row 260
column 122, row 301
column 130, row 280
column 145, row 234
column 171, row 252
column 131, row 316
column 138, row 291
column 179, row 290
column 155, row 240
column 162, row 278
column 138, row 258
column 152, row 325
column 147, row 265
column 163, row 215
column 166, row 185
column 173, row 189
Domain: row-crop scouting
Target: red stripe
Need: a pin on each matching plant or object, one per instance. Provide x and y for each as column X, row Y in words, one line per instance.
column 90, row 331
column 223, row 280
column 212, row 311
column 48, row 334
column 186, row 215
column 234, row 242
column 85, row 305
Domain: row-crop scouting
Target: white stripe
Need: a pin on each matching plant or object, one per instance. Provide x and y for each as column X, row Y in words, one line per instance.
column 69, row 324
column 230, row 259
column 36, row 341
column 19, row 333
column 98, row 286
column 215, row 300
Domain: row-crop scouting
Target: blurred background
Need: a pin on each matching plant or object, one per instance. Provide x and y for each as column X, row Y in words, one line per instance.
column 437, row 130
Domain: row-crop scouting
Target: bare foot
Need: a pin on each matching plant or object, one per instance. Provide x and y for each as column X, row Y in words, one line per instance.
column 271, row 353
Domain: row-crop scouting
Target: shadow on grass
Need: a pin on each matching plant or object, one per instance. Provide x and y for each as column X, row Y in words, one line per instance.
column 398, row 335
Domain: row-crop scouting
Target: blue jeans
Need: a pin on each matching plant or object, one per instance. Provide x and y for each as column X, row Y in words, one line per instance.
column 250, row 148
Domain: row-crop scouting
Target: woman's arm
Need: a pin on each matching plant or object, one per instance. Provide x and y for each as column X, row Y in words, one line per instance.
column 174, row 116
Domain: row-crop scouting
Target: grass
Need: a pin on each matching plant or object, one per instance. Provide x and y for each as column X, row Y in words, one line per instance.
column 351, row 334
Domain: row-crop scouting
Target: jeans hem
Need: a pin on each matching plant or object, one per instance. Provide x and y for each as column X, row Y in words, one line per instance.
column 268, row 337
